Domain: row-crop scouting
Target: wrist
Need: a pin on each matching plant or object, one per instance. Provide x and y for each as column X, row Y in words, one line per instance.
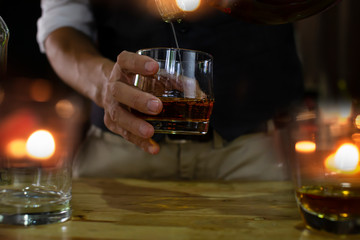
column 105, row 69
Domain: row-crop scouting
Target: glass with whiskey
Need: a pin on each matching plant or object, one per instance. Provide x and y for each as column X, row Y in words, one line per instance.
column 184, row 83
column 326, row 168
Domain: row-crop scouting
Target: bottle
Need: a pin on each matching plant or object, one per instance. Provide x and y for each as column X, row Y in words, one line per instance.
column 4, row 38
column 255, row 11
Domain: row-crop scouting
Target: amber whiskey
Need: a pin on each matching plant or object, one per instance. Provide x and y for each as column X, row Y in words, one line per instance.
column 181, row 116
column 334, row 209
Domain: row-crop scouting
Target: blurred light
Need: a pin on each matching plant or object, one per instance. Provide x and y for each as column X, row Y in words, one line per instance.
column 345, row 109
column 338, row 112
column 40, row 145
column 305, row 146
column 345, row 185
column 347, row 157
column 356, row 137
column 306, row 116
column 65, row 109
column 2, row 95
column 188, row 5
column 344, row 160
column 16, row 148
column 357, row 121
column 40, row 90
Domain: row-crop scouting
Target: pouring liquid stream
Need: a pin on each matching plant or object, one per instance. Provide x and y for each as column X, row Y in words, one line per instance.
column 174, row 34
column 177, row 46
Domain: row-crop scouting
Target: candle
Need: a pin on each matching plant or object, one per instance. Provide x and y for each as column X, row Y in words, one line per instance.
column 40, row 145
column 345, row 160
column 305, row 146
column 37, row 150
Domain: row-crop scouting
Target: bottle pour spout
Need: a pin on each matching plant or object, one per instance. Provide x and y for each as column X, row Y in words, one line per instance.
column 171, row 10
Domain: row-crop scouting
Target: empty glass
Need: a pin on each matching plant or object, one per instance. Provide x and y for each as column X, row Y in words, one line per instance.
column 38, row 135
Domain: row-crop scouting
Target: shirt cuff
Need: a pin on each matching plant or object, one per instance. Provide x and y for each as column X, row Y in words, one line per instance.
column 64, row 13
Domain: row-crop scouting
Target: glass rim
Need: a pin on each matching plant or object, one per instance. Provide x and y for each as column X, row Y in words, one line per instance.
column 208, row 55
column 4, row 26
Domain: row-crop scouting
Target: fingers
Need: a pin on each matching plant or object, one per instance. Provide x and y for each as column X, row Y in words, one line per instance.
column 127, row 65
column 135, row 130
column 135, row 63
column 120, row 96
column 135, row 98
column 119, row 117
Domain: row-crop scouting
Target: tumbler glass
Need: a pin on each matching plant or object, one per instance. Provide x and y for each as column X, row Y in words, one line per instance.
column 38, row 135
column 184, row 83
column 326, row 169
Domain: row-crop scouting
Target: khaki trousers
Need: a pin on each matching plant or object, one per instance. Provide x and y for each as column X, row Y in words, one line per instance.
column 255, row 156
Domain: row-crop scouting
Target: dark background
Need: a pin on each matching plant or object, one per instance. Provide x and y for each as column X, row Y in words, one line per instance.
column 28, row 67
column 24, row 57
column 329, row 46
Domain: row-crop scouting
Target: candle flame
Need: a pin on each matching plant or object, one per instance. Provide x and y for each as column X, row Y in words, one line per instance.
column 188, row 5
column 344, row 160
column 40, row 145
column 347, row 157
column 305, row 146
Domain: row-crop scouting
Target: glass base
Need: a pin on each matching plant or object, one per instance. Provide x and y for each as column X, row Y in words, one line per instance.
column 180, row 127
column 33, row 207
column 346, row 226
column 29, row 219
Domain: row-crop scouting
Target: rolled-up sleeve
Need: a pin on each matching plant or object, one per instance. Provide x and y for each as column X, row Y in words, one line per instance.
column 64, row 13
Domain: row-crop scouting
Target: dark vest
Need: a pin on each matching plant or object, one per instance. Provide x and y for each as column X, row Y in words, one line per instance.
column 256, row 67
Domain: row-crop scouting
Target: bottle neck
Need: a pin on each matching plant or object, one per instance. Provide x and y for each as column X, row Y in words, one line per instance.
column 169, row 10
column 4, row 38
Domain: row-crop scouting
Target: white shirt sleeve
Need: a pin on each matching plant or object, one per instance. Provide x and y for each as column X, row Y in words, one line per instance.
column 64, row 13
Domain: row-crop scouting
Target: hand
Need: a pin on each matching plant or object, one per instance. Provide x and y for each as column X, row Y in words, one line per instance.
column 120, row 96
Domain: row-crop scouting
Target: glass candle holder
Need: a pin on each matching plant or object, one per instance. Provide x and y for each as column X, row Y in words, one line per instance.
column 38, row 133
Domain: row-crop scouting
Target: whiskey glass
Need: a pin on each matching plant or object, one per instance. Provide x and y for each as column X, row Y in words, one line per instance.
column 184, row 84
column 325, row 166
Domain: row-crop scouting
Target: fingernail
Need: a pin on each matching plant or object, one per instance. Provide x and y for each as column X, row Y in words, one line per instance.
column 153, row 105
column 150, row 66
column 145, row 130
column 153, row 148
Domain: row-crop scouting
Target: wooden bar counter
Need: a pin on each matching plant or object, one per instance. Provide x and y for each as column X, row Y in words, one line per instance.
column 139, row 209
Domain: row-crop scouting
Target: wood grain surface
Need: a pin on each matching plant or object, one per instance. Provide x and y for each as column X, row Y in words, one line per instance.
column 140, row 209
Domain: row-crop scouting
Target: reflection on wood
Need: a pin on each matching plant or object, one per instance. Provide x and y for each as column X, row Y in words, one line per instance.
column 139, row 209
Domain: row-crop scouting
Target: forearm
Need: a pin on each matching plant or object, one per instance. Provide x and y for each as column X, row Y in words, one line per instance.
column 78, row 63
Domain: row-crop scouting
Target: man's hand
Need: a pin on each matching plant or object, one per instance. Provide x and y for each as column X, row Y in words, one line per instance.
column 78, row 63
column 120, row 96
